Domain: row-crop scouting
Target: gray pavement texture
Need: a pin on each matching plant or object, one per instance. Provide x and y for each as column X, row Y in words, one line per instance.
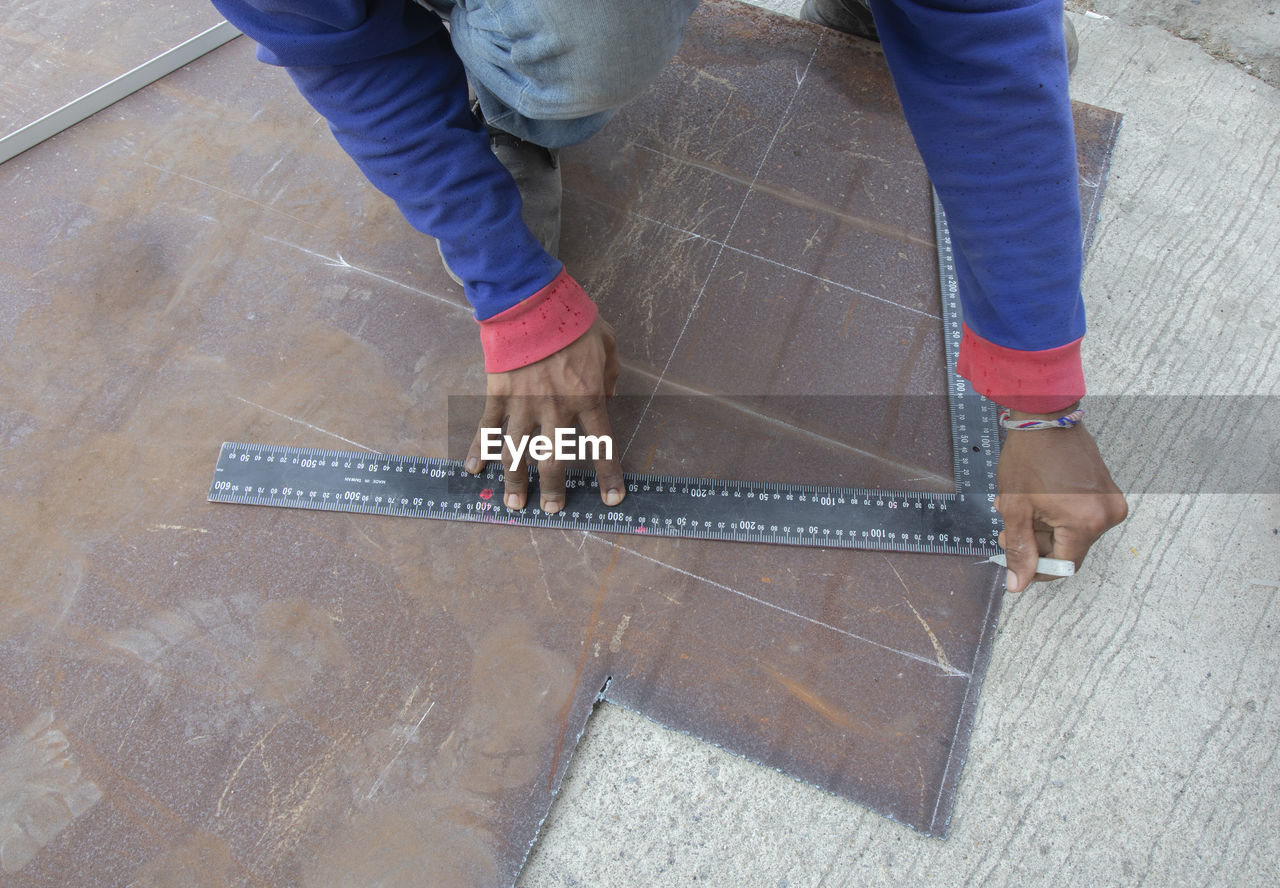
column 1129, row 726
column 1243, row 32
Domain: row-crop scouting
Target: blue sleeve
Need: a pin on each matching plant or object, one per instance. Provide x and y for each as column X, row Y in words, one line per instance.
column 983, row 84
column 385, row 77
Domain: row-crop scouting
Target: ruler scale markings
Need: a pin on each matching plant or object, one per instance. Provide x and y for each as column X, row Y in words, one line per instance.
column 962, row 523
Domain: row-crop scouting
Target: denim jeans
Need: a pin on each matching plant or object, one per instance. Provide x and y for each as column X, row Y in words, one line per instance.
column 554, row 71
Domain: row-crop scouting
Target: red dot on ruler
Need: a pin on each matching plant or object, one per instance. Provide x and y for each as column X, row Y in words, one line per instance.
column 487, row 493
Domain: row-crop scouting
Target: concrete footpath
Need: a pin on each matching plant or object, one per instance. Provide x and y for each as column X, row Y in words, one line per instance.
column 1128, row 730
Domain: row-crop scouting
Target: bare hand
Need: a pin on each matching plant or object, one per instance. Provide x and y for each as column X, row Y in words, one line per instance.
column 1056, row 497
column 562, row 390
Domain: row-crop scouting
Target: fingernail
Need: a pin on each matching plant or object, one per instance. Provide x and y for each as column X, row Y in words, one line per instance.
column 613, row 496
column 551, row 507
column 512, row 501
column 473, row 465
column 1011, row 580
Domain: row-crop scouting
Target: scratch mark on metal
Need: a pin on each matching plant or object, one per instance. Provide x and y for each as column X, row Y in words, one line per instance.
column 615, row 643
column 176, row 527
column 933, row 639
column 236, row 773
column 691, row 235
column 339, row 262
column 409, row 735
column 791, row 429
column 946, row 668
column 800, row 199
column 832, row 713
column 368, row 539
column 823, row 280
column 716, row 261
column 234, row 194
column 812, row 240
column 305, row 423
column 542, row 568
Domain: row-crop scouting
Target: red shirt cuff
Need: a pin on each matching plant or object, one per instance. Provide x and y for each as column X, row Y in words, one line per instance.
column 539, row 326
column 1034, row 381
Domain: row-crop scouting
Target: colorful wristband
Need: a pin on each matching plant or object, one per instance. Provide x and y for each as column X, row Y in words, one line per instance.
column 1031, row 425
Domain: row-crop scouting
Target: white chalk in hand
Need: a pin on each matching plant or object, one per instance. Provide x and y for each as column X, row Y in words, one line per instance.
column 1054, row 567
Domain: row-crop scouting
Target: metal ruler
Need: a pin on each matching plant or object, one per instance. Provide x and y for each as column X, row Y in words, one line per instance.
column 964, row 522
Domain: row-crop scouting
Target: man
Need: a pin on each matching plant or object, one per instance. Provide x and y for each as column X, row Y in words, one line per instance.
column 983, row 86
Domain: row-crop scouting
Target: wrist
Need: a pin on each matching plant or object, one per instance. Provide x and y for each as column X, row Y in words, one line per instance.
column 1019, row 415
column 1033, row 381
column 539, row 326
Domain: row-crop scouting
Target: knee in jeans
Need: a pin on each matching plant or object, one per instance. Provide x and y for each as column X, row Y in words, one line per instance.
column 563, row 59
column 583, row 93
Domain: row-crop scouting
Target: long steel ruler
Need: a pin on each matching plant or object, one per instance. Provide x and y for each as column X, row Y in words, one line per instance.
column 963, row 522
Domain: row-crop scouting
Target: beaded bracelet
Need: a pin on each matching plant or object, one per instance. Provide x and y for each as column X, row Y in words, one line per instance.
column 1028, row 425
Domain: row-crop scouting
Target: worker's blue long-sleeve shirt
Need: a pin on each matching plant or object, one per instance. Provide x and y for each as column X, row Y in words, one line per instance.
column 983, row 84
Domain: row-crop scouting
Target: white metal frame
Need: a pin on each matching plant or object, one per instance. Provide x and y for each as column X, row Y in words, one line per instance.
column 113, row 91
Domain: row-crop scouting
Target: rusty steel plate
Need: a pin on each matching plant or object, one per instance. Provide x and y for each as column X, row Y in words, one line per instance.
column 250, row 696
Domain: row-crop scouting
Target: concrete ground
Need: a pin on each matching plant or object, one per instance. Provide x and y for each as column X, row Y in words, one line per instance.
column 1243, row 32
column 1128, row 729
